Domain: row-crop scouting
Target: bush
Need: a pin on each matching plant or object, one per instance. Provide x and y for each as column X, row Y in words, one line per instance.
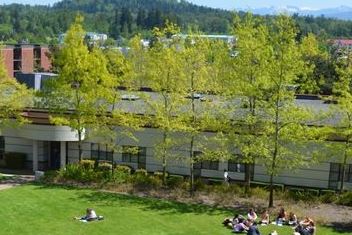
column 328, row 196
column 15, row 160
column 345, row 199
column 120, row 177
column 141, row 172
column 174, row 181
column 78, row 172
column 104, row 166
column 299, row 194
column 49, row 176
column 87, row 164
column 159, row 174
column 142, row 180
column 124, row 168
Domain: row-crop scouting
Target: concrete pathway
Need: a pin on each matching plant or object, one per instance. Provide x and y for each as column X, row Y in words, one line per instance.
column 15, row 180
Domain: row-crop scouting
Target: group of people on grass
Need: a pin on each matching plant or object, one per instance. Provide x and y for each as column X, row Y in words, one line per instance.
column 240, row 224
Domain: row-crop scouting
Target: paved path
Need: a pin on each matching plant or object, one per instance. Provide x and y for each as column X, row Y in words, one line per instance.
column 15, row 180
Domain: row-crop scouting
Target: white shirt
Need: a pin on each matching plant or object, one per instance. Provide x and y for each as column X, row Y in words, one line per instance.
column 226, row 174
column 92, row 215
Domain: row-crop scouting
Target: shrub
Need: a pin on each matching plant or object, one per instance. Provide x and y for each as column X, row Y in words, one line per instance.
column 141, row 172
column 120, row 177
column 104, row 166
column 15, row 160
column 299, row 194
column 49, row 176
column 79, row 173
column 345, row 199
column 124, row 168
column 142, row 180
column 87, row 164
column 174, row 181
column 159, row 174
column 328, row 196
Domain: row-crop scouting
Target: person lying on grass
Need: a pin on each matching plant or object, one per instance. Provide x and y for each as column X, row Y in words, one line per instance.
column 90, row 216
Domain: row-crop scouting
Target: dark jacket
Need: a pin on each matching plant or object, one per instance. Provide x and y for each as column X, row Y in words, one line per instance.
column 253, row 230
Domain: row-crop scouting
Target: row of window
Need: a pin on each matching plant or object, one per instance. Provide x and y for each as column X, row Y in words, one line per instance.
column 336, row 172
column 133, row 154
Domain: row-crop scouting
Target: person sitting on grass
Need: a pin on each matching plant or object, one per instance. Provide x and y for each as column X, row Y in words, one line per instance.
column 231, row 222
column 281, row 217
column 292, row 219
column 252, row 228
column 307, row 229
column 242, row 226
column 265, row 218
column 252, row 215
column 90, row 215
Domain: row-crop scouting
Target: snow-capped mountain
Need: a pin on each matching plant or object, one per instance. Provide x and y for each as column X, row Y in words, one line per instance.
column 341, row 12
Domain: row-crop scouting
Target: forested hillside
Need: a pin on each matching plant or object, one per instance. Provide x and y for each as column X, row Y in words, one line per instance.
column 125, row 18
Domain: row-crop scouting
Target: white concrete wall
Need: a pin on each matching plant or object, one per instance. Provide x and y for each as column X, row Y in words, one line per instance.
column 317, row 175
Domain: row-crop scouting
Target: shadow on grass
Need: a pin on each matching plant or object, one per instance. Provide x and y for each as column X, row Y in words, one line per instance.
column 343, row 228
column 148, row 204
column 151, row 204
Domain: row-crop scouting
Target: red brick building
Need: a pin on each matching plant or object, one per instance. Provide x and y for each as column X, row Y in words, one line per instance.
column 26, row 58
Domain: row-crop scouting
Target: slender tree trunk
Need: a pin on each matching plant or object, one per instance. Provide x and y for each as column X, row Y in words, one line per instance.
column 247, row 177
column 273, row 164
column 80, row 145
column 192, row 167
column 343, row 170
column 164, row 158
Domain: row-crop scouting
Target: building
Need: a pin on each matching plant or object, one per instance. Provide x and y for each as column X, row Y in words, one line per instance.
column 26, row 58
column 51, row 147
column 34, row 81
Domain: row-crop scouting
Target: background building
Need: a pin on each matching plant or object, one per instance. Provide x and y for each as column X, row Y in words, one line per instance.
column 26, row 58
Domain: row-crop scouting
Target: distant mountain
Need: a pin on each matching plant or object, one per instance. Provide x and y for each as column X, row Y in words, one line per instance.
column 341, row 12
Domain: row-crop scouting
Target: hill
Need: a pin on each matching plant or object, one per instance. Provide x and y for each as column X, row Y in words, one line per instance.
column 125, row 18
column 113, row 17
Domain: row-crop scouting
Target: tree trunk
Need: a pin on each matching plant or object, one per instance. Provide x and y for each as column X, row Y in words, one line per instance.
column 80, row 145
column 247, row 177
column 343, row 170
column 191, row 189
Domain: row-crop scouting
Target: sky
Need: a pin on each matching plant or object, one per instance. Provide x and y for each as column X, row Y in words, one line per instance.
column 232, row 4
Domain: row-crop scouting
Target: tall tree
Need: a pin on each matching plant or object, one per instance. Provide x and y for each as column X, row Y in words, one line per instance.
column 286, row 127
column 76, row 96
column 166, row 76
column 195, row 64
column 342, row 94
column 249, row 81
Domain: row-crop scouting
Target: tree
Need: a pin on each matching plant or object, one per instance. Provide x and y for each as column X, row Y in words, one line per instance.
column 286, row 130
column 14, row 97
column 249, row 81
column 342, row 94
column 195, row 64
column 166, row 76
column 106, row 128
column 77, row 96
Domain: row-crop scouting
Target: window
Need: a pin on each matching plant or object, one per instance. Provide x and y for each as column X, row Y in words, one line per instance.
column 2, row 147
column 235, row 166
column 336, row 172
column 132, row 154
column 205, row 164
column 348, row 175
column 101, row 152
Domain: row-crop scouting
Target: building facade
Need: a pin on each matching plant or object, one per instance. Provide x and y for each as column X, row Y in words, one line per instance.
column 49, row 147
column 26, row 58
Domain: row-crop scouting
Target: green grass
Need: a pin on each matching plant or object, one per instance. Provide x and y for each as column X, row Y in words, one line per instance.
column 35, row 209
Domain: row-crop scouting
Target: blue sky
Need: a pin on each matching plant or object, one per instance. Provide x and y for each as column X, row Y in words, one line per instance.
column 231, row 4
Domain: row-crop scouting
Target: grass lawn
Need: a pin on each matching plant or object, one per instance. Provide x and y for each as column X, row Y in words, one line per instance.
column 34, row 209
